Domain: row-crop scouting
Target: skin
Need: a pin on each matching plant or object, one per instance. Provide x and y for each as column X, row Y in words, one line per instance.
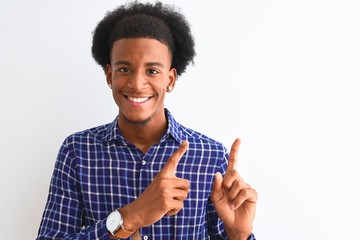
column 234, row 199
column 139, row 74
column 140, row 68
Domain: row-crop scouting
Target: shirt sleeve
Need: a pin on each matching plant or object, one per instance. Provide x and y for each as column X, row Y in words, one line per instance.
column 216, row 229
column 252, row 237
column 63, row 214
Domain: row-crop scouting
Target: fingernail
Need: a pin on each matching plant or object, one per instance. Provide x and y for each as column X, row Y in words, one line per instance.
column 231, row 206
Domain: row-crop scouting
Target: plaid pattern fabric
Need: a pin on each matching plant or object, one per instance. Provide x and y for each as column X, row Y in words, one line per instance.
column 97, row 171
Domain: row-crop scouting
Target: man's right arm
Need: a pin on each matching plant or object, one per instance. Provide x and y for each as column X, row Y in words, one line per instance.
column 164, row 196
column 63, row 213
column 62, row 217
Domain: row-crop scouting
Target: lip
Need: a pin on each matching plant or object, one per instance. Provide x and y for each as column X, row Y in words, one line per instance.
column 137, row 100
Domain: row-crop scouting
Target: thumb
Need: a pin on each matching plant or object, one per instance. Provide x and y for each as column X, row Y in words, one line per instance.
column 217, row 191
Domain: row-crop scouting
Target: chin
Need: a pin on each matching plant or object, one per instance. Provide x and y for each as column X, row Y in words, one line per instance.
column 137, row 121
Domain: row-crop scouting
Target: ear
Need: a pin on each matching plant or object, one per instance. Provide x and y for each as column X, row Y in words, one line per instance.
column 172, row 79
column 108, row 73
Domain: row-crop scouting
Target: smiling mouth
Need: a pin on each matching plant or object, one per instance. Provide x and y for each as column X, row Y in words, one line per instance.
column 138, row 100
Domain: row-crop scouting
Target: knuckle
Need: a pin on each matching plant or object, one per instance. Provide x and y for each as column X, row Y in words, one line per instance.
column 167, row 205
column 226, row 185
column 184, row 196
column 162, row 184
column 245, row 193
column 229, row 182
column 186, row 183
column 171, row 213
column 255, row 193
column 237, row 184
column 232, row 173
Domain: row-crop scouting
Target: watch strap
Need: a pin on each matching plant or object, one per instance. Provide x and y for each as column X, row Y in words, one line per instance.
column 123, row 233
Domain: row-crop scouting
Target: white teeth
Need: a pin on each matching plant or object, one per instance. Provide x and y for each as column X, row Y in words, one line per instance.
column 138, row 100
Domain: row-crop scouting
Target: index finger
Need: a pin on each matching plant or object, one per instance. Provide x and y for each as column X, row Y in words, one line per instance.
column 233, row 156
column 170, row 166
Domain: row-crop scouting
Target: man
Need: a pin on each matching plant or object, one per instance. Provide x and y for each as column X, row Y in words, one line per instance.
column 145, row 175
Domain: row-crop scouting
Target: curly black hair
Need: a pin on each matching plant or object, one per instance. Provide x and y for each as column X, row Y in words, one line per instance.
column 158, row 21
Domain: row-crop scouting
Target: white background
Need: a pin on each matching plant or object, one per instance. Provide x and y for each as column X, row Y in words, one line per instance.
column 281, row 75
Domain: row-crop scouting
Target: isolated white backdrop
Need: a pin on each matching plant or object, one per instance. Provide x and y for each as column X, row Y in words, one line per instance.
column 281, row 75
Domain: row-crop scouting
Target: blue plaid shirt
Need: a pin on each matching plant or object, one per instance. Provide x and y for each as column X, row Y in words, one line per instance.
column 97, row 171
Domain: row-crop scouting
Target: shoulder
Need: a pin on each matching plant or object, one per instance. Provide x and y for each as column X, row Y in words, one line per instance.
column 181, row 133
column 200, row 139
column 89, row 136
column 81, row 145
column 204, row 150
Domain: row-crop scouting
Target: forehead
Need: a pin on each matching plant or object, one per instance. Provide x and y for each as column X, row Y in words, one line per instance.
column 140, row 49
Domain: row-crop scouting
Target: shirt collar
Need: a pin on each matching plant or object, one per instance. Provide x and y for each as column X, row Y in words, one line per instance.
column 173, row 128
column 113, row 133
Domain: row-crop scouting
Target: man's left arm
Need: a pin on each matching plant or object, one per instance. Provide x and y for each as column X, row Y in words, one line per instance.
column 234, row 200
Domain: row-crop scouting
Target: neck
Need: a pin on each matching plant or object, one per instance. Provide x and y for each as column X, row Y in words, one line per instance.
column 144, row 134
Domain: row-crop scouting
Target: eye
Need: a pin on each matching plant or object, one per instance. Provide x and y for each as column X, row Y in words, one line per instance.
column 152, row 71
column 123, row 70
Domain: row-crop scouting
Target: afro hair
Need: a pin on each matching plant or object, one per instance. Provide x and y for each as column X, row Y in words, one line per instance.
column 135, row 20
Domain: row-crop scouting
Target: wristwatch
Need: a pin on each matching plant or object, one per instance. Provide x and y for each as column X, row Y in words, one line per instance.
column 114, row 224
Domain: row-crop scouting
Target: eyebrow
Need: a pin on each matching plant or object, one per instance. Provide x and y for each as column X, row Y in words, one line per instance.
column 123, row 63
column 148, row 64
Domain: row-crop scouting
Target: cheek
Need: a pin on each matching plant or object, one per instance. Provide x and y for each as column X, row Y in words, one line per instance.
column 119, row 83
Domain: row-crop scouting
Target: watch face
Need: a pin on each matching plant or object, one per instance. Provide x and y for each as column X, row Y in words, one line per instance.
column 113, row 221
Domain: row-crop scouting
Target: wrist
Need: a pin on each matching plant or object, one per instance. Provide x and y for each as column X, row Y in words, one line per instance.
column 237, row 235
column 121, row 224
column 130, row 218
column 240, row 236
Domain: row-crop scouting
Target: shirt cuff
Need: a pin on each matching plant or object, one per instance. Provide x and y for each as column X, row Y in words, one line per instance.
column 251, row 237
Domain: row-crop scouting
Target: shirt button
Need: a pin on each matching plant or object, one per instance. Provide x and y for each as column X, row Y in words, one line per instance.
column 143, row 162
column 146, row 237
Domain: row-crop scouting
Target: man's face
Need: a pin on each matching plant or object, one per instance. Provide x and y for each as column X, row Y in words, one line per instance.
column 139, row 74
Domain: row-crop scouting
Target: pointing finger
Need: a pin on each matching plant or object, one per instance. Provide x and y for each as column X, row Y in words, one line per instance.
column 233, row 156
column 170, row 166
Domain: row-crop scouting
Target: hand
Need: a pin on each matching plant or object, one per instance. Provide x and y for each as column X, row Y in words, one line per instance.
column 164, row 195
column 234, row 200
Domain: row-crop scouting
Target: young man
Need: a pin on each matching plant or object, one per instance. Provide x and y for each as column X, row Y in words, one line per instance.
column 144, row 175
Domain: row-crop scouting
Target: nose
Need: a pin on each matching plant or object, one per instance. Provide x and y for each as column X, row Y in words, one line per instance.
column 137, row 81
